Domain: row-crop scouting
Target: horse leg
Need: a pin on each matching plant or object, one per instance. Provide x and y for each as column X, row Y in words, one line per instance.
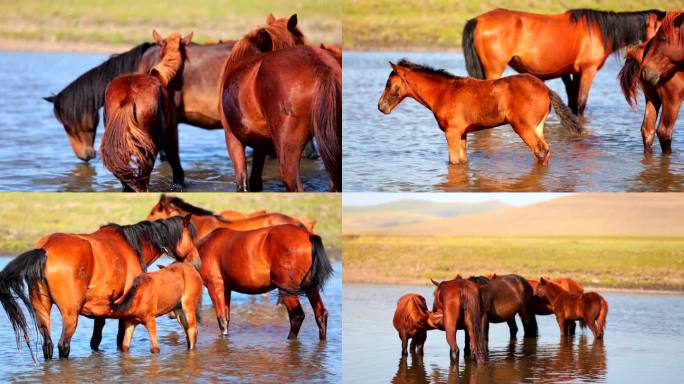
column 296, row 313
column 95, row 340
column 648, row 126
column 43, row 306
column 221, row 303
column 512, row 328
column 69, row 323
column 151, row 325
column 457, row 145
column 466, row 347
column 255, row 182
column 571, row 88
column 236, row 151
column 534, row 140
column 561, row 323
column 528, row 319
column 586, row 77
column 289, row 149
column 126, row 188
column 320, row 312
column 667, row 122
column 128, row 327
column 120, row 333
column 419, row 339
column 172, row 156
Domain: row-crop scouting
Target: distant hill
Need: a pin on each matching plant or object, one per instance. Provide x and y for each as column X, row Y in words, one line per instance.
column 586, row 214
column 359, row 219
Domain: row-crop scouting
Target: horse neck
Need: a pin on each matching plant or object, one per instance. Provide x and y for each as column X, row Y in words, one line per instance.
column 167, row 68
column 426, row 89
column 205, row 224
column 150, row 254
column 555, row 291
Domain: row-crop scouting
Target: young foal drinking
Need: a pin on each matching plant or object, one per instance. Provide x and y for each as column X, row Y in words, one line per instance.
column 140, row 118
column 462, row 105
column 412, row 320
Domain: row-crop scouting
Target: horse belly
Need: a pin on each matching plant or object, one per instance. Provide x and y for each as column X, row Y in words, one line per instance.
column 247, row 274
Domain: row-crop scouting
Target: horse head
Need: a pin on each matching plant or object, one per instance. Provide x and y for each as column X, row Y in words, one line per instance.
column 276, row 34
column 664, row 53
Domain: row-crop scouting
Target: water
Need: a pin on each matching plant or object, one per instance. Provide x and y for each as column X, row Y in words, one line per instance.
column 256, row 349
column 406, row 150
column 35, row 154
column 643, row 342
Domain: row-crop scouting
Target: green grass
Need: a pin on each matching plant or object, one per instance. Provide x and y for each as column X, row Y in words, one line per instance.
column 646, row 263
column 437, row 24
column 132, row 21
column 26, row 217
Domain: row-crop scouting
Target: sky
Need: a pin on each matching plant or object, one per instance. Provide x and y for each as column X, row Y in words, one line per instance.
column 517, row 199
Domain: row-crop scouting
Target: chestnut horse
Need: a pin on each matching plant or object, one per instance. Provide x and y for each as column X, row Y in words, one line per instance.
column 502, row 298
column 462, row 105
column 259, row 109
column 459, row 302
column 284, row 257
column 664, row 54
column 589, row 307
column 82, row 273
column 542, row 307
column 205, row 221
column 177, row 288
column 140, row 118
column 235, row 215
column 412, row 320
column 76, row 106
column 573, row 45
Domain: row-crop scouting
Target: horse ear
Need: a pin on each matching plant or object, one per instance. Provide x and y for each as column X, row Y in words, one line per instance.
column 187, row 39
column 186, row 219
column 542, row 280
column 270, row 19
column 434, row 282
column 679, row 20
column 394, row 66
column 157, row 37
column 50, row 99
column 292, row 23
column 458, row 276
column 263, row 41
column 493, row 275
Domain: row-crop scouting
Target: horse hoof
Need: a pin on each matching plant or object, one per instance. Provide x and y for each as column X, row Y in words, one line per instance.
column 154, row 350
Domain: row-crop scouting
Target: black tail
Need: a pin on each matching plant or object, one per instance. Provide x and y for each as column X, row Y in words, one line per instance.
column 320, row 270
column 568, row 120
column 119, row 310
column 28, row 267
column 473, row 63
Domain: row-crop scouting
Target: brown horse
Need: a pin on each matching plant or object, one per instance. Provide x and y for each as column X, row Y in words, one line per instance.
column 589, row 307
column 235, row 215
column 205, row 221
column 412, row 320
column 259, row 109
column 459, row 302
column 284, row 257
column 542, row 307
column 573, row 45
column 177, row 288
column 76, row 106
column 664, row 54
column 82, row 273
column 502, row 298
column 140, row 118
column 462, row 105
column 668, row 94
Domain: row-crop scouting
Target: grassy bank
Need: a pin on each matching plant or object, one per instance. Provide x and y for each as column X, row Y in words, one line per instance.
column 437, row 24
column 127, row 22
column 634, row 263
column 25, row 217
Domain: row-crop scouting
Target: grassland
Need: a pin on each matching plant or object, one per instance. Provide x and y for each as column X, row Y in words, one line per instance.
column 105, row 23
column 25, row 217
column 613, row 262
column 437, row 24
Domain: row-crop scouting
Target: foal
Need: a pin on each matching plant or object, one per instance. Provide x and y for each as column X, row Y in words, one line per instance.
column 176, row 288
column 412, row 320
column 590, row 307
column 462, row 105
column 140, row 118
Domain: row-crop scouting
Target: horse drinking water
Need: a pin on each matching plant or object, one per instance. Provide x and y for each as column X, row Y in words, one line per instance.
column 412, row 320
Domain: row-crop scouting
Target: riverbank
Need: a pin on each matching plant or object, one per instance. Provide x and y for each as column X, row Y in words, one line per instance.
column 26, row 217
column 384, row 25
column 634, row 263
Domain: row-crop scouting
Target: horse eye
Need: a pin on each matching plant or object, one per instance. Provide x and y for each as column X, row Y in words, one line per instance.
column 663, row 38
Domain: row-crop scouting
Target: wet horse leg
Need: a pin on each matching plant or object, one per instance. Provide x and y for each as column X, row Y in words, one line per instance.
column 170, row 148
column 120, row 333
column 43, row 306
column 667, row 122
column 404, row 343
column 296, row 313
column 289, row 145
column 128, row 328
column 560, row 319
column 419, row 341
column 217, row 293
column 95, row 340
column 512, row 328
column 236, row 151
column 457, row 145
column 258, row 158
column 534, row 138
column 571, row 88
column 648, row 126
column 151, row 325
column 528, row 319
column 320, row 312
column 586, row 77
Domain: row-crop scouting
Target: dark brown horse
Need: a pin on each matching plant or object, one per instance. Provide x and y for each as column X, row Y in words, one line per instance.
column 77, row 105
column 590, row 307
column 259, row 108
column 205, row 221
column 573, row 45
column 412, row 320
column 284, row 257
column 82, row 273
column 459, row 302
column 462, row 105
column 502, row 298
column 668, row 94
column 140, row 118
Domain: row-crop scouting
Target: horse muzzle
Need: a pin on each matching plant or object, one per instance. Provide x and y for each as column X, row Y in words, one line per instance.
column 650, row 77
column 383, row 108
column 87, row 154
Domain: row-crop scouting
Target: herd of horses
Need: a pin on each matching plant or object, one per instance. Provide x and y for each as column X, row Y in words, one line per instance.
column 472, row 304
column 103, row 275
column 245, row 87
column 572, row 46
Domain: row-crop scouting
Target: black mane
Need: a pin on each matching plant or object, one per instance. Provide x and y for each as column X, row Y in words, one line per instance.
column 184, row 205
column 85, row 95
column 479, row 279
column 426, row 69
column 618, row 29
column 160, row 233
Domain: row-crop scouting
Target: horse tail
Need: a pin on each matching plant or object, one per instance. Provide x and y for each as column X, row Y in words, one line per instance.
column 473, row 311
column 568, row 120
column 28, row 267
column 629, row 80
column 120, row 307
column 473, row 63
column 319, row 273
column 601, row 321
column 327, row 124
column 126, row 141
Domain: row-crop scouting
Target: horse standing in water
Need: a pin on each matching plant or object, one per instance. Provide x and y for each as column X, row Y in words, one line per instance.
column 462, row 105
column 82, row 273
column 284, row 257
column 412, row 320
column 573, row 45
column 259, row 109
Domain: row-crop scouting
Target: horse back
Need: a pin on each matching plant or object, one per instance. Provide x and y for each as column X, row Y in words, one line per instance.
column 411, row 314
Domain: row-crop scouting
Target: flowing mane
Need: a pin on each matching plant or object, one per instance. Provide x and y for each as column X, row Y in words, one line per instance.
column 184, row 205
column 85, row 95
column 171, row 59
column 618, row 29
column 426, row 69
column 160, row 233
column 276, row 34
